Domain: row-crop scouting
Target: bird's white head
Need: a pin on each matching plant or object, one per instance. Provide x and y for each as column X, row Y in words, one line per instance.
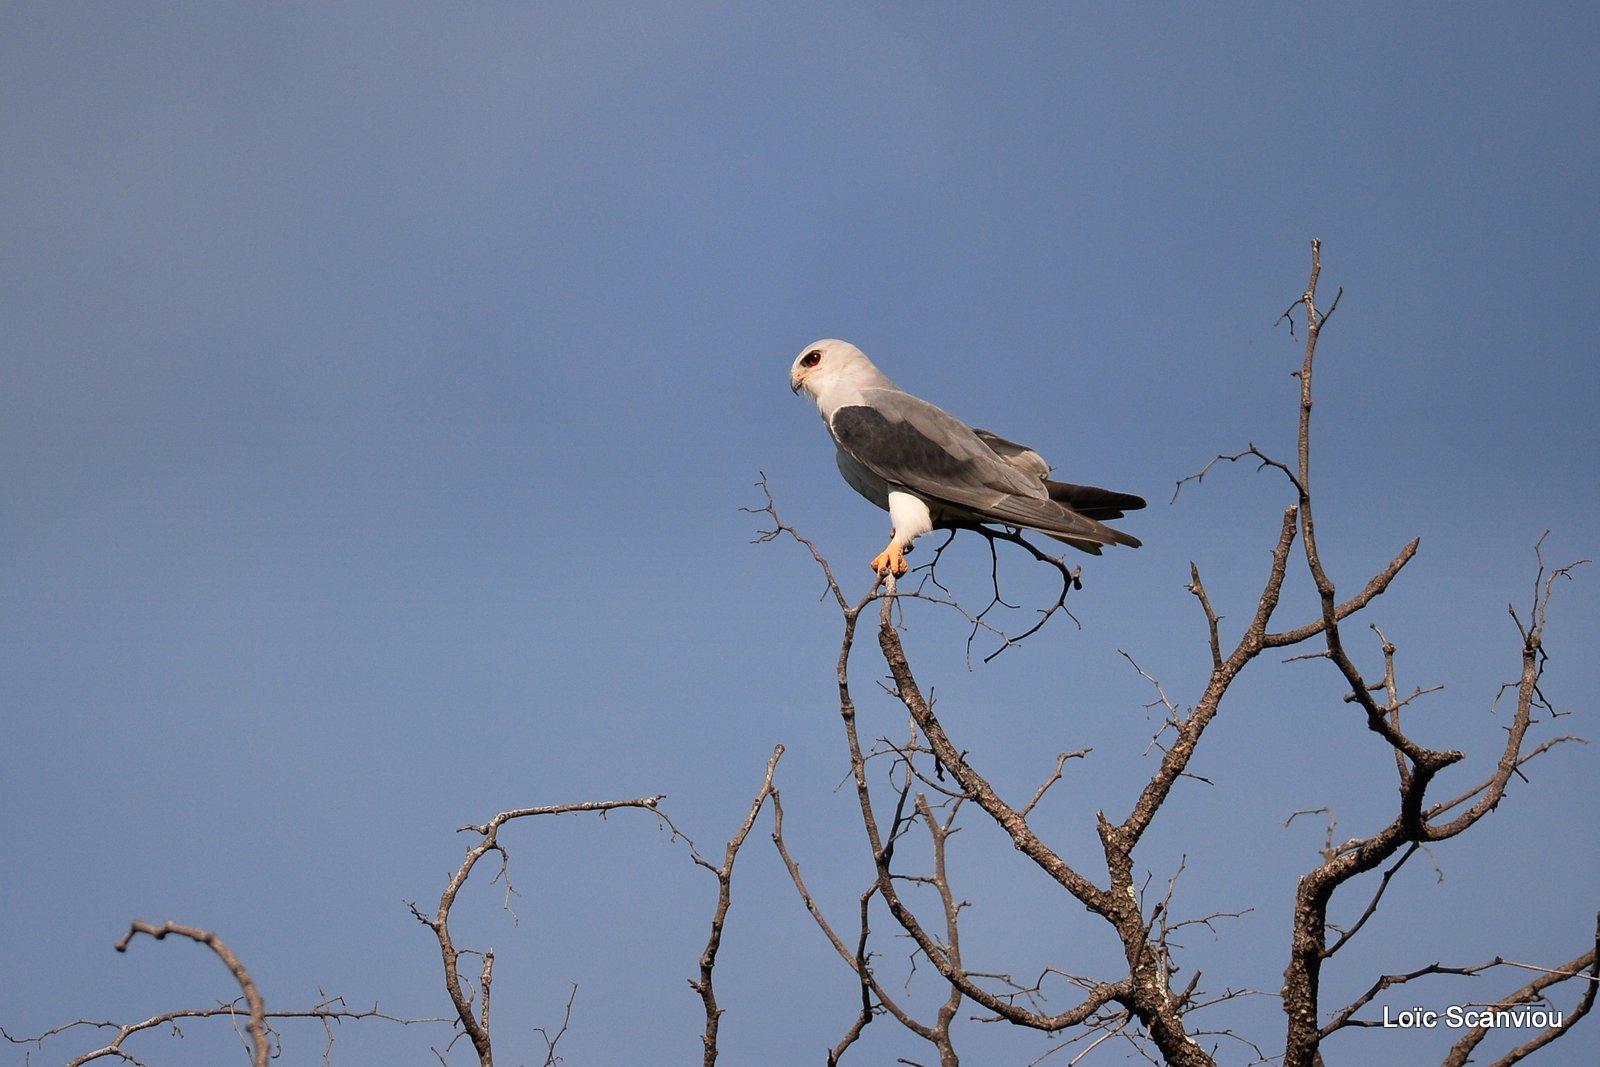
column 824, row 365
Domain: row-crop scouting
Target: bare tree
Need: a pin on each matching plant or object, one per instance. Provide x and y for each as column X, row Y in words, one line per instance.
column 1142, row 1003
column 933, row 784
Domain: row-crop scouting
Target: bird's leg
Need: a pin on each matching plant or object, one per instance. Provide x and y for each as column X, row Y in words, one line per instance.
column 909, row 518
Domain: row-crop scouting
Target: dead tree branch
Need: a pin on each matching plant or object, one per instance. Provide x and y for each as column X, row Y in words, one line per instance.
column 724, row 875
column 473, row 1008
column 1416, row 764
column 256, row 1026
column 258, row 1020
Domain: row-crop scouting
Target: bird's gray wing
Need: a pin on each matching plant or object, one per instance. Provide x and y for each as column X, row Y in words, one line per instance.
column 1089, row 500
column 912, row 444
column 1021, row 457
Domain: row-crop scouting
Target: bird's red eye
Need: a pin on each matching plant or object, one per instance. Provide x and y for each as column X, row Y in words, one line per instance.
column 811, row 358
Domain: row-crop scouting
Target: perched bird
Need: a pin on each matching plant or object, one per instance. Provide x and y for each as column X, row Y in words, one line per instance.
column 927, row 468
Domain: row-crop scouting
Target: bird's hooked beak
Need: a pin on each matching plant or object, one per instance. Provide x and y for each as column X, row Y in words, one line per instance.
column 797, row 380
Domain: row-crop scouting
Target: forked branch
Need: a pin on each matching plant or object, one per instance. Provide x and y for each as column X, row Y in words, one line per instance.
column 473, row 1009
column 258, row 1020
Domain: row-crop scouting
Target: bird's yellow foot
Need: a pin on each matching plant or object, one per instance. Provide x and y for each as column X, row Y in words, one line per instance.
column 893, row 557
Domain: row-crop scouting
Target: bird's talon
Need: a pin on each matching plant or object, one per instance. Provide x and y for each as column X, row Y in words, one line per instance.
column 891, row 560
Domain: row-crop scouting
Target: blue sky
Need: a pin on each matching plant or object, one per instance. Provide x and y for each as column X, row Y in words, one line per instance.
column 382, row 385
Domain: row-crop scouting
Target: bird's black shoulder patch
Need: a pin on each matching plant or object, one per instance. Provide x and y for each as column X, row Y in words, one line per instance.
column 894, row 448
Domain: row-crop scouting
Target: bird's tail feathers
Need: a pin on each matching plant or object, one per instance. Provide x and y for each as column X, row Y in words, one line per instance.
column 1116, row 537
column 1092, row 501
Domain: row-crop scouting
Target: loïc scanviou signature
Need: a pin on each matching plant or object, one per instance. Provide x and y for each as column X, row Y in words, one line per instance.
column 1462, row 1016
